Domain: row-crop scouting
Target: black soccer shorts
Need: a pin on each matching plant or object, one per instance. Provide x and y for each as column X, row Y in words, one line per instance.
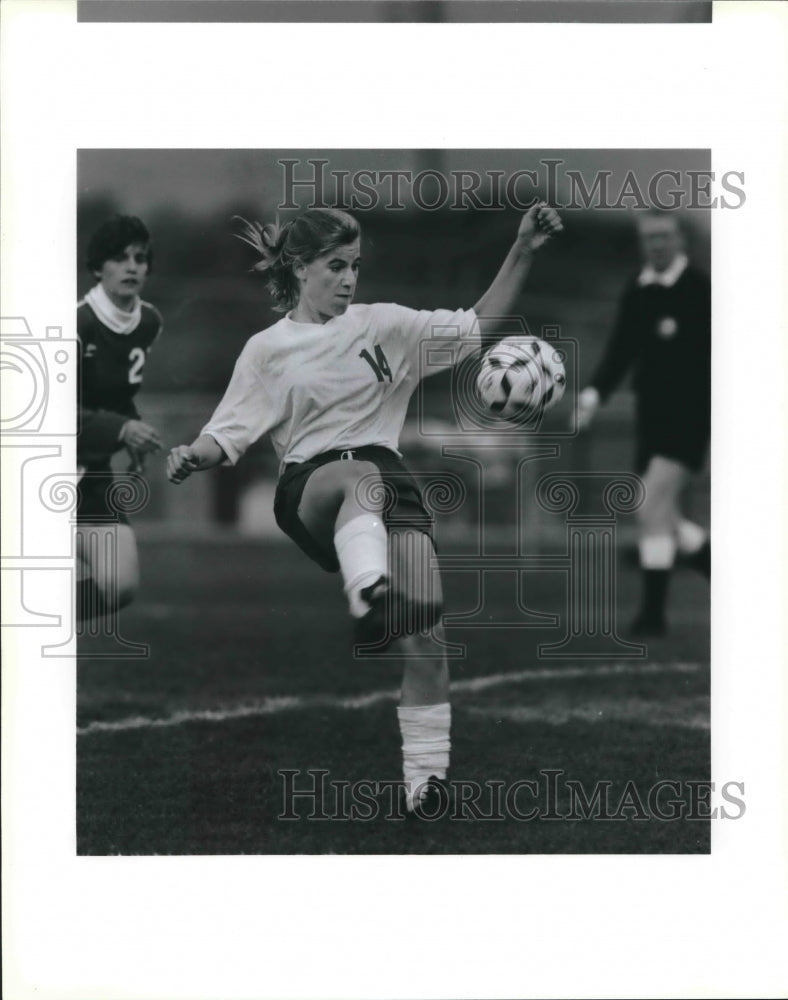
column 403, row 505
column 680, row 432
column 96, row 491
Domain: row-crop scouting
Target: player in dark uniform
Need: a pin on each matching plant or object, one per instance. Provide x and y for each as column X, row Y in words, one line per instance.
column 662, row 333
column 116, row 330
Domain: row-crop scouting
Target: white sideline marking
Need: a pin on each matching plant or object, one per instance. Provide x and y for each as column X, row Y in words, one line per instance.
column 683, row 713
column 272, row 706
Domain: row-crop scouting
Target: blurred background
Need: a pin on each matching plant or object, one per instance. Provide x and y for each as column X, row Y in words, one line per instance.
column 211, row 303
column 594, row 11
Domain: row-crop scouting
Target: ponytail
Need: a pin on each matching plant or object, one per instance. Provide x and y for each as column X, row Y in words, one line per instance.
column 278, row 247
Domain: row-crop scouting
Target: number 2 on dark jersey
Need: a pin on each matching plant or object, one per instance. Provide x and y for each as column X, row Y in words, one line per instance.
column 379, row 364
column 137, row 359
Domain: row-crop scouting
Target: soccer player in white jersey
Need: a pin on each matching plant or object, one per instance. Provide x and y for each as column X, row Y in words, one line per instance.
column 330, row 383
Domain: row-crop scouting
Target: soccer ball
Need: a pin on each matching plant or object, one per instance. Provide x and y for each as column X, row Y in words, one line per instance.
column 521, row 376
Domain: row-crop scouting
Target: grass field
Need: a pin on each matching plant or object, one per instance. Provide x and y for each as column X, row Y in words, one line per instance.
column 250, row 673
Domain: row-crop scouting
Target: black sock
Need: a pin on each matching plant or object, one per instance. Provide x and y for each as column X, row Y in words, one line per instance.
column 91, row 603
column 701, row 560
column 655, row 595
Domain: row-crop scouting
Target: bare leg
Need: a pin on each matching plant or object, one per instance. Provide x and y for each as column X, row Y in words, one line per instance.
column 336, row 493
column 424, row 711
column 414, row 566
column 342, row 504
column 658, row 521
column 664, row 480
column 108, row 553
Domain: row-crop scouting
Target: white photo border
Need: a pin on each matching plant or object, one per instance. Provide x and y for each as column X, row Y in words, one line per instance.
column 418, row 926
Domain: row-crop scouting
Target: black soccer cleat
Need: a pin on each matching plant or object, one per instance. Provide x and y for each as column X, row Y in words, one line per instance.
column 433, row 803
column 373, row 628
column 391, row 615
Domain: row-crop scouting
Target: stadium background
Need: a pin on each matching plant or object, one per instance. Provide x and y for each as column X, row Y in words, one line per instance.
column 234, row 663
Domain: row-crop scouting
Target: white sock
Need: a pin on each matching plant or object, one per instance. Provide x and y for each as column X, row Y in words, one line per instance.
column 426, row 745
column 362, row 550
column 657, row 551
column 690, row 537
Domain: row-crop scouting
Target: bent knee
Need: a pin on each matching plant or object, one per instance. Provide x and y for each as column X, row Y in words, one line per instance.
column 119, row 592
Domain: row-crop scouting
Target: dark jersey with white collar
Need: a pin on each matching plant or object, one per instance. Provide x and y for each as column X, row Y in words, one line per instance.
column 111, row 368
column 664, row 335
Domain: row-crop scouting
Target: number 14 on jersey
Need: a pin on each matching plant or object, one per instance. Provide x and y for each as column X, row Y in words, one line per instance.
column 379, row 364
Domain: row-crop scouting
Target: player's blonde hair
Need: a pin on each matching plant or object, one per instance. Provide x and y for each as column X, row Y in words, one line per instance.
column 315, row 232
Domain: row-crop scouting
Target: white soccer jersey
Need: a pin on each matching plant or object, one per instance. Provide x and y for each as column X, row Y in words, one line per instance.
column 342, row 384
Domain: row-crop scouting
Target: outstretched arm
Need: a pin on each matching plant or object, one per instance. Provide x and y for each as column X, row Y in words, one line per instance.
column 538, row 224
column 203, row 454
column 245, row 413
column 616, row 361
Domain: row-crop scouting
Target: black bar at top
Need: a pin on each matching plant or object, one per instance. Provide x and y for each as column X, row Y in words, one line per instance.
column 392, row 11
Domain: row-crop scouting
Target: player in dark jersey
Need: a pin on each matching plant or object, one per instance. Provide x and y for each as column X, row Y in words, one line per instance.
column 116, row 330
column 663, row 333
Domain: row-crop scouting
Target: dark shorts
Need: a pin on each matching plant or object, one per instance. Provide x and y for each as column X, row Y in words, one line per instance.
column 107, row 497
column 402, row 506
column 681, row 434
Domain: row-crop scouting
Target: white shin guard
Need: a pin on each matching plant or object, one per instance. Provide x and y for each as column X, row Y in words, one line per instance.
column 362, row 551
